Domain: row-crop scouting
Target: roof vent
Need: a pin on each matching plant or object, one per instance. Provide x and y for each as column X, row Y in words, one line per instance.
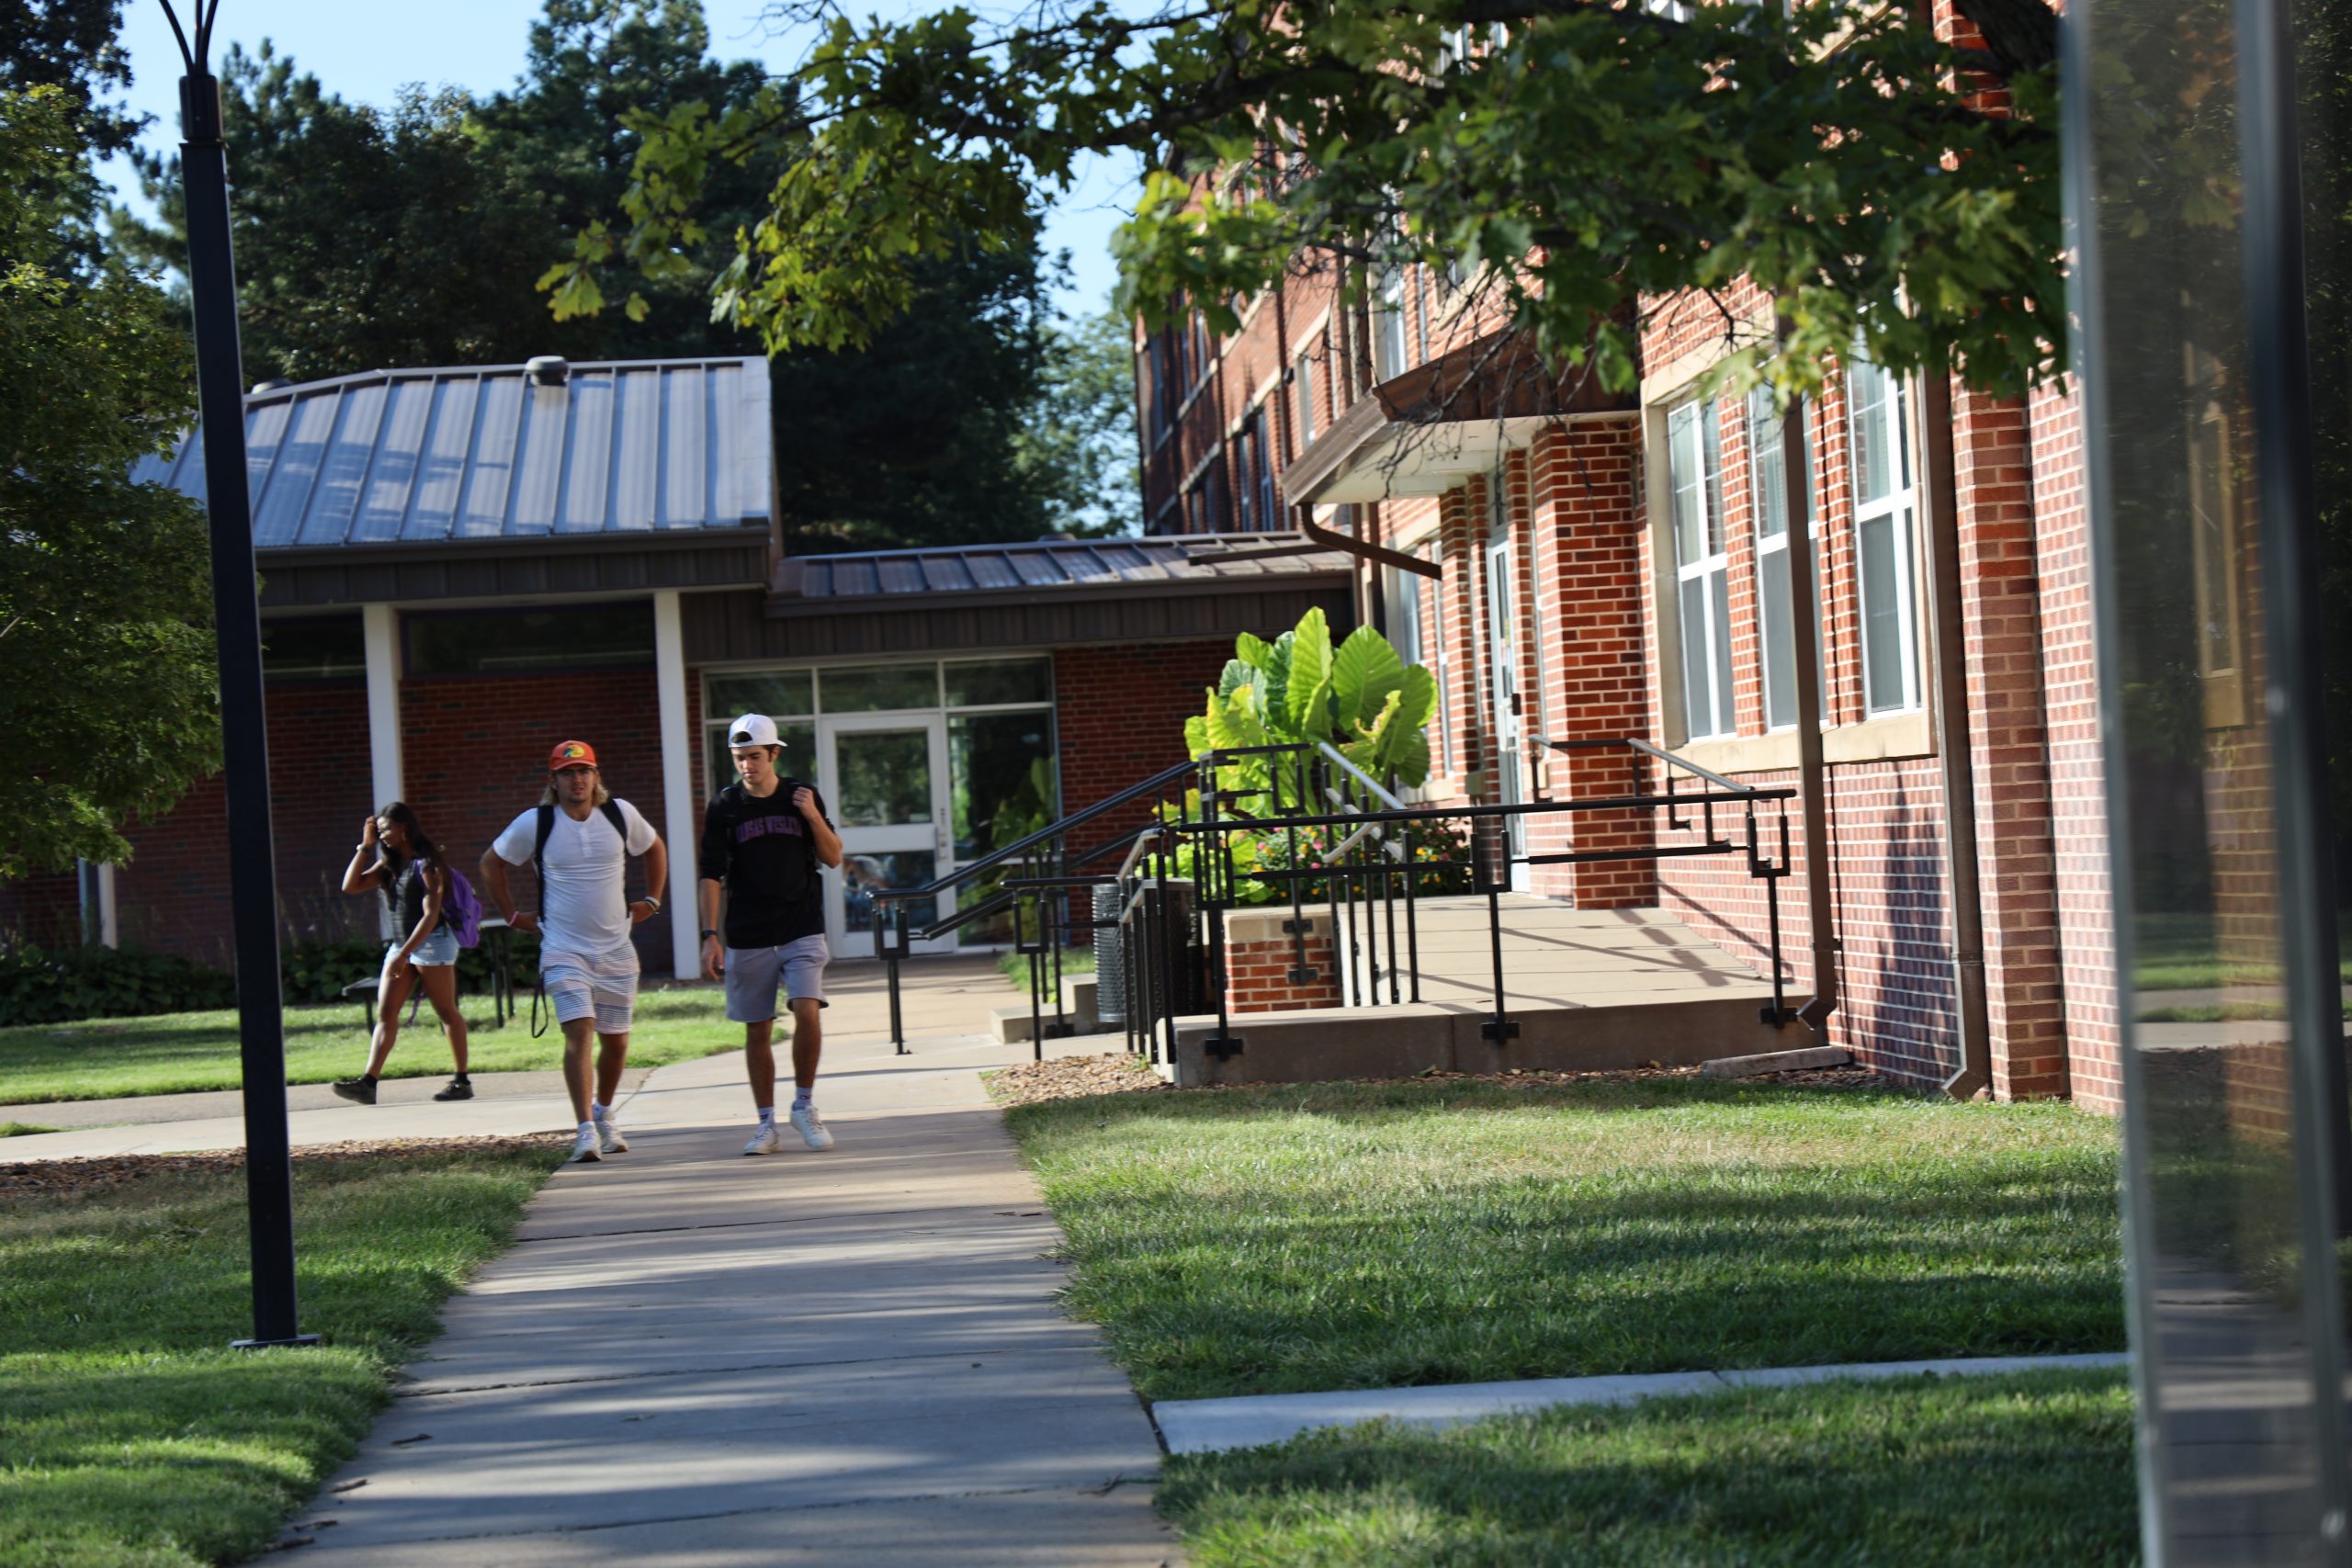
column 275, row 384
column 547, row 370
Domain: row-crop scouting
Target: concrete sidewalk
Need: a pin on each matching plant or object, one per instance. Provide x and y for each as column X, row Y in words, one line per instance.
column 692, row 1357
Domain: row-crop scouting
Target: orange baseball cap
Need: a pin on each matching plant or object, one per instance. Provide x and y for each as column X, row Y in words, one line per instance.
column 572, row 754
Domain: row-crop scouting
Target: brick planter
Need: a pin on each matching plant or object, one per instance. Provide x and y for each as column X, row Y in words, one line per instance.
column 1262, row 961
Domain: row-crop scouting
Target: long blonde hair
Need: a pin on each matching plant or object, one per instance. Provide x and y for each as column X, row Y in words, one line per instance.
column 548, row 796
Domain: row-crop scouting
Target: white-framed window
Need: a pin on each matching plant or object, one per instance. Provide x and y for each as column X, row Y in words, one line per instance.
column 1702, row 567
column 1422, row 312
column 1769, row 504
column 1885, row 505
column 1302, row 375
column 1388, row 325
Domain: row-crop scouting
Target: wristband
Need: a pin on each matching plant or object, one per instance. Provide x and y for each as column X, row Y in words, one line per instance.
column 709, row 931
column 653, row 903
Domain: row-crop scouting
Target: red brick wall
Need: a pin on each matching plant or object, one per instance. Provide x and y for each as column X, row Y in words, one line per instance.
column 1120, row 710
column 1260, row 969
column 475, row 752
column 174, row 895
column 44, row 909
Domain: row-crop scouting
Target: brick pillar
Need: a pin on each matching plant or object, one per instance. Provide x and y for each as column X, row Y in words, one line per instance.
column 2008, row 738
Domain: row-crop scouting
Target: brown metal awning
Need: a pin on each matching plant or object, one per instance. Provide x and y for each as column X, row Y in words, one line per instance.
column 1424, row 432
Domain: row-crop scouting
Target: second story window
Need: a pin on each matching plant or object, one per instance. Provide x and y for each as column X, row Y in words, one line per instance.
column 1388, row 325
column 1769, row 504
column 1269, row 509
column 1702, row 567
column 1245, row 474
column 1883, row 509
column 1304, row 377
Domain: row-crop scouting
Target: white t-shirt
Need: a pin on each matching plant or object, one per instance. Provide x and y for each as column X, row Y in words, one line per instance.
column 583, row 914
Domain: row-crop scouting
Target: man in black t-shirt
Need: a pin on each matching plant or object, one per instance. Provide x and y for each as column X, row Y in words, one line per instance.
column 762, row 839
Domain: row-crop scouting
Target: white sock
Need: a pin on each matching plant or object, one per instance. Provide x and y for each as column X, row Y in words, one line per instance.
column 600, row 1110
column 767, row 1114
column 587, row 1126
column 804, row 1099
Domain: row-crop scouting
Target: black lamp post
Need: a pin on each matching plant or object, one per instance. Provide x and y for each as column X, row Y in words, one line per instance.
column 236, row 617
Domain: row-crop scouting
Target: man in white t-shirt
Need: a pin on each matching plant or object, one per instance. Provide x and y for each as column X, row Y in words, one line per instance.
column 581, row 838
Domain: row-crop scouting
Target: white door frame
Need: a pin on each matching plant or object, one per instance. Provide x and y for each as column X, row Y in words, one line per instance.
column 932, row 837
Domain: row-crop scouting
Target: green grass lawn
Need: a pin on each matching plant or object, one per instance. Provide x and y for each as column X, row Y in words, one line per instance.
column 178, row 1053
column 1349, row 1235
column 2178, row 953
column 1016, row 967
column 23, row 1129
column 131, row 1434
column 1936, row 1473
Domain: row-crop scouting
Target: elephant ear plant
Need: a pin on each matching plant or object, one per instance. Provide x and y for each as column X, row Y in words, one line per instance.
column 1369, row 704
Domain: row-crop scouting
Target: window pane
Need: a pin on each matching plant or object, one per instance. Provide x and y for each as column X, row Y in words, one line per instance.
column 981, row 682
column 1697, row 707
column 876, row 687
column 885, row 777
column 1716, row 584
column 595, row 636
column 1711, row 445
column 770, row 691
column 1766, row 467
column 316, row 648
column 864, row 875
column 1682, row 478
column 1866, row 389
column 1779, row 669
column 1881, row 621
column 1001, row 778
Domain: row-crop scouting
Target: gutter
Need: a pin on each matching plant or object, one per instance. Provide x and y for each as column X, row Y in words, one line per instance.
column 1954, row 756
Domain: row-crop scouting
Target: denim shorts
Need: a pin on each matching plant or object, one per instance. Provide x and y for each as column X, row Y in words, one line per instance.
column 433, row 952
column 754, row 974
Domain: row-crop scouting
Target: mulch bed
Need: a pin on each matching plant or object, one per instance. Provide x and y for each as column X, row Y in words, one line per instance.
column 65, row 1180
column 1074, row 1078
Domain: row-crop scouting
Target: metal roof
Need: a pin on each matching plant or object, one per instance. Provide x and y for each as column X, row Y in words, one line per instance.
column 1120, row 567
column 614, row 451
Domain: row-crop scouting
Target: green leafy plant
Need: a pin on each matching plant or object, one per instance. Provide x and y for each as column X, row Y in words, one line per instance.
column 1363, row 699
column 59, row 985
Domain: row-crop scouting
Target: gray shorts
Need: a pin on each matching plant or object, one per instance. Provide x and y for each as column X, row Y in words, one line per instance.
column 577, row 992
column 754, row 974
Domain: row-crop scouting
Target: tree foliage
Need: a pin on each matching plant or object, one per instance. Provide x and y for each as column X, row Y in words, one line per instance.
column 1576, row 157
column 1080, row 442
column 107, row 690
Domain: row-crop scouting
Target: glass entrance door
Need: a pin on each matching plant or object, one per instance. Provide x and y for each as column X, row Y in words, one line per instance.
column 885, row 778
column 1503, row 661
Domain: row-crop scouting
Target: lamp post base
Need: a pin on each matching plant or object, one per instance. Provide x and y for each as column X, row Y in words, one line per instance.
column 300, row 1342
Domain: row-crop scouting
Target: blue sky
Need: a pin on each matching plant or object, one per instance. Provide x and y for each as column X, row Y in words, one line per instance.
column 366, row 52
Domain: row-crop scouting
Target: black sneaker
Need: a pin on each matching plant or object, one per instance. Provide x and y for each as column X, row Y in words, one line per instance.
column 362, row 1089
column 458, row 1089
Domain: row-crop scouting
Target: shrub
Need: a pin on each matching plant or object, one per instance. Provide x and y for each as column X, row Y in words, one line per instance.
column 59, row 985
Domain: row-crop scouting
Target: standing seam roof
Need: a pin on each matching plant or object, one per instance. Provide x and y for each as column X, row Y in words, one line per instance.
column 633, row 448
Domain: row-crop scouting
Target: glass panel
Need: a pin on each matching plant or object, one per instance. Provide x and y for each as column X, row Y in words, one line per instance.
column 1882, row 617
column 879, row 687
column 2230, row 1266
column 1866, row 389
column 1682, row 478
column 1780, row 668
column 865, row 874
column 1711, row 446
column 981, row 684
column 1001, row 778
column 1717, row 587
column 771, row 692
column 598, row 637
column 799, row 759
column 316, row 648
column 1766, row 467
column 885, row 777
column 1697, row 709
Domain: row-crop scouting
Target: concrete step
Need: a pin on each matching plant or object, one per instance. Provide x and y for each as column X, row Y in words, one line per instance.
column 1317, row 1044
column 1011, row 1024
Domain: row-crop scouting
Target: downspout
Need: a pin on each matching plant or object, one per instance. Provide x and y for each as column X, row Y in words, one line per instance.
column 1953, row 756
column 1813, row 781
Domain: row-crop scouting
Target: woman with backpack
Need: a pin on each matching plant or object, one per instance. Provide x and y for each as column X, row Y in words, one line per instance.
column 396, row 857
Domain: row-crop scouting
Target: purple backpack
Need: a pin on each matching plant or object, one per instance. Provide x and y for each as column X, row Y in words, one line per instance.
column 461, row 911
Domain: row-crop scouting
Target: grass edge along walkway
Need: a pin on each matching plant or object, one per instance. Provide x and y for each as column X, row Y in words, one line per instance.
column 1967, row 1472
column 131, row 1436
column 1311, row 1237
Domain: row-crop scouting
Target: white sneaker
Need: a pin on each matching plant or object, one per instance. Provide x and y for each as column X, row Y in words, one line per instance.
column 608, row 1136
column 768, row 1140
column 584, row 1148
column 811, row 1130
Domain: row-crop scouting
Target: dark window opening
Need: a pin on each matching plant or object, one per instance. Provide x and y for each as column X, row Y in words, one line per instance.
column 586, row 637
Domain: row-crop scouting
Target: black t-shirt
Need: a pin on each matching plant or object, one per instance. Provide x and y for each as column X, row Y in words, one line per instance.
column 404, row 895
column 762, row 849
